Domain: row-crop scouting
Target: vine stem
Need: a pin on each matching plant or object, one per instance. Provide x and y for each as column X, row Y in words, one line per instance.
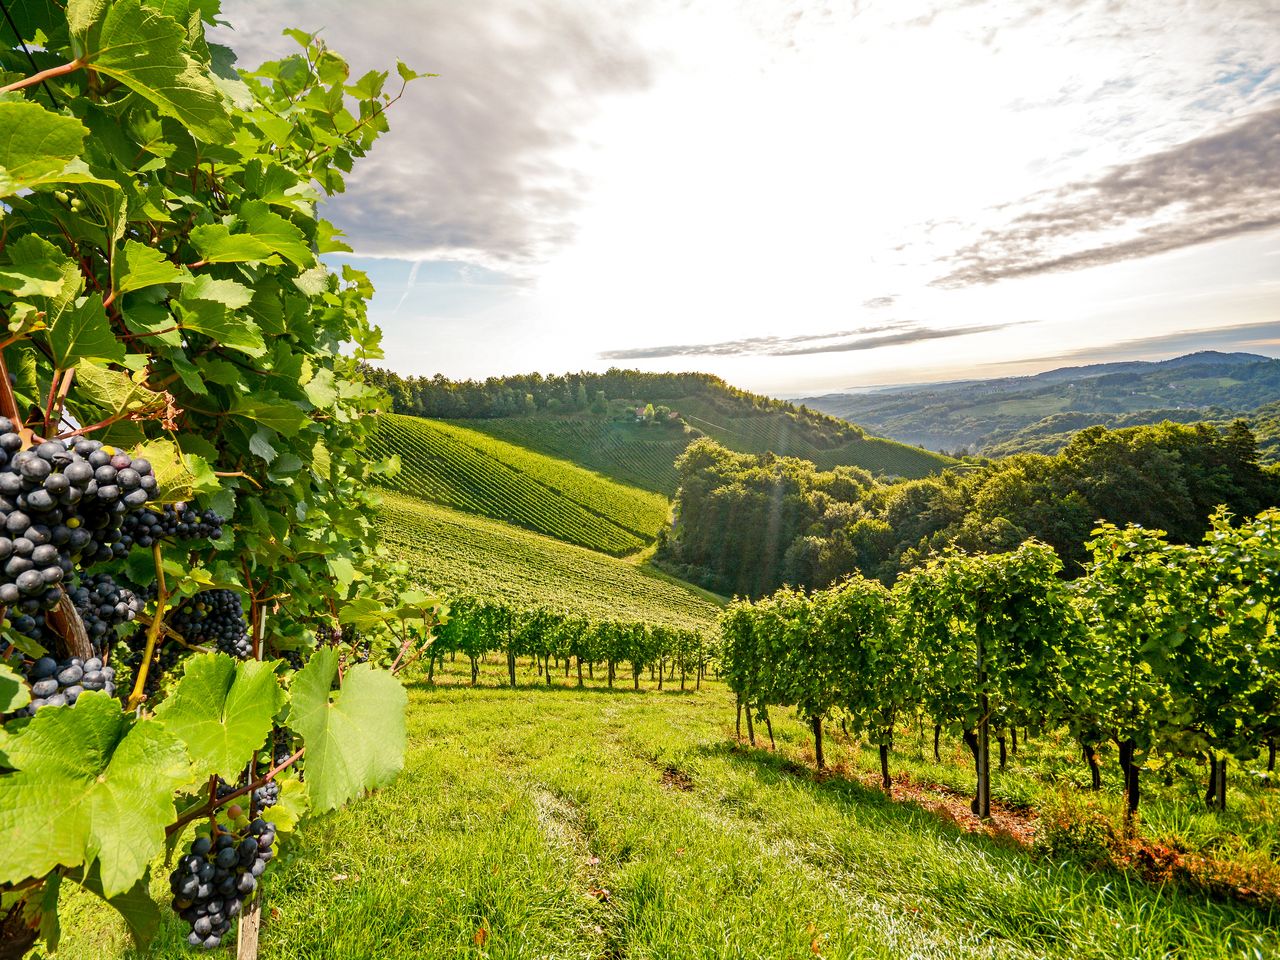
column 207, row 808
column 153, row 632
column 61, row 70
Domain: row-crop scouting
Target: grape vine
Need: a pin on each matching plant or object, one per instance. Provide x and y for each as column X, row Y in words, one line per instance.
column 184, row 459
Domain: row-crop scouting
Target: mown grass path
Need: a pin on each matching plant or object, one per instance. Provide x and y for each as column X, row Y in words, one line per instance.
column 558, row 823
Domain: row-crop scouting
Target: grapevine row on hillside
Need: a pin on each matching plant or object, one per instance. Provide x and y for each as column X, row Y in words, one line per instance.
column 463, row 555
column 436, row 464
column 1160, row 649
column 641, row 455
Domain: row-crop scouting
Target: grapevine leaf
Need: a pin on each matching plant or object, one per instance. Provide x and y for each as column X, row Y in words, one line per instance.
column 277, row 232
column 222, row 710
column 179, row 475
column 36, row 145
column 279, row 415
column 217, row 244
column 13, row 691
column 355, row 740
column 37, row 268
column 230, row 294
column 145, row 51
column 145, row 266
column 114, row 390
column 216, row 322
column 267, row 237
column 90, row 784
column 83, row 332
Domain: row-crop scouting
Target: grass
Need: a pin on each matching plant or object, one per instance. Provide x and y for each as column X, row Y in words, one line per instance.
column 456, row 553
column 558, row 823
column 472, row 471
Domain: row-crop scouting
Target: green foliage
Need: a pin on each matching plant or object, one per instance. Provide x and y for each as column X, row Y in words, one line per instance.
column 468, row 470
column 750, row 524
column 355, row 737
column 162, row 292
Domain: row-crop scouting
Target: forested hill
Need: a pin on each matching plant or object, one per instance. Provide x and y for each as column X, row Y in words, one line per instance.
column 746, row 525
column 1039, row 413
column 631, row 425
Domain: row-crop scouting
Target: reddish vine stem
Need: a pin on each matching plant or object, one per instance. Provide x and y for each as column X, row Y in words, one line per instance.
column 59, row 71
column 201, row 811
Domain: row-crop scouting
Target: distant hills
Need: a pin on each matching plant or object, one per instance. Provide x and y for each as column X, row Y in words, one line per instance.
column 1039, row 413
column 630, row 425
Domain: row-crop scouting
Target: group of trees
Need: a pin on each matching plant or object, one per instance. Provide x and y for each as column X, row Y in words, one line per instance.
column 749, row 524
column 1158, row 648
column 552, row 638
column 439, row 396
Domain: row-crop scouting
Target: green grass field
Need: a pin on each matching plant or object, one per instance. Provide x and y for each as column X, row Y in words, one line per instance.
column 471, row 471
column 557, row 823
column 458, row 553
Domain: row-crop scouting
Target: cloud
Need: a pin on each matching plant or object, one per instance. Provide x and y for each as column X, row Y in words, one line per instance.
column 877, row 303
column 479, row 164
column 1216, row 186
column 1261, row 337
column 843, row 341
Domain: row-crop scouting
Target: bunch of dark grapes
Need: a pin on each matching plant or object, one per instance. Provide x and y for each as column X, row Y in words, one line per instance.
column 217, row 875
column 103, row 604
column 55, row 684
column 267, row 795
column 215, row 616
column 293, row 658
column 61, row 504
column 174, row 521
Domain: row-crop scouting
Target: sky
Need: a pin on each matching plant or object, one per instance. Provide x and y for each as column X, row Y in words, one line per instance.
column 807, row 196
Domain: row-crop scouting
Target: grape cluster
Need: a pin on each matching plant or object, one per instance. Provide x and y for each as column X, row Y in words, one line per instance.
column 61, row 503
column 175, row 521
column 102, row 604
column 267, row 795
column 217, row 616
column 214, row 878
column 166, row 657
column 55, row 684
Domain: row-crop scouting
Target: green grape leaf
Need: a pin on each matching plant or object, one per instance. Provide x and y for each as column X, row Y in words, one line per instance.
column 179, row 476
column 292, row 805
column 214, row 321
column 82, row 332
column 217, row 244
column 143, row 266
column 37, row 268
column 114, row 390
column 235, row 296
column 222, row 710
column 266, row 238
column 279, row 415
column 13, row 691
column 36, row 145
column 355, row 739
column 90, row 783
column 147, row 52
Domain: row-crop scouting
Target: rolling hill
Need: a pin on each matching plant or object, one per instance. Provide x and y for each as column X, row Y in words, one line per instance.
column 472, row 471
column 1028, row 413
column 457, row 553
column 591, row 420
